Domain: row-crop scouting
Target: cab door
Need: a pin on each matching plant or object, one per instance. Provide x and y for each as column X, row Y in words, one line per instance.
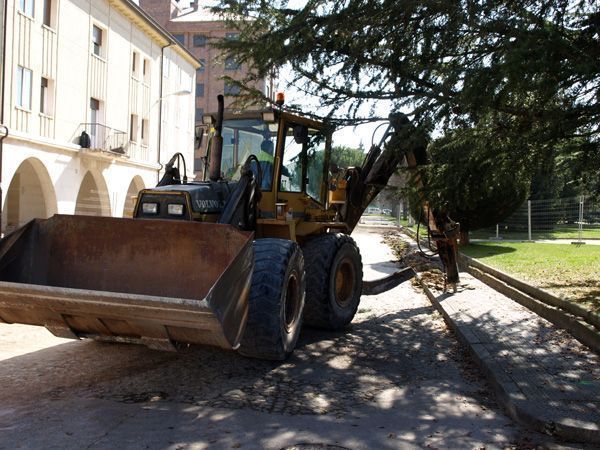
column 304, row 159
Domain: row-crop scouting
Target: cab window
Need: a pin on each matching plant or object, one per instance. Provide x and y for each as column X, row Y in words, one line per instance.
column 303, row 160
column 245, row 137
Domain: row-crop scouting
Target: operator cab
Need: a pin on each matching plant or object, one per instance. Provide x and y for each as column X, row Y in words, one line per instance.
column 285, row 155
column 292, row 152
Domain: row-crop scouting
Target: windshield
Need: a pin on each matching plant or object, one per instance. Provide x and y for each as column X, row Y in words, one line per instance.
column 245, row 137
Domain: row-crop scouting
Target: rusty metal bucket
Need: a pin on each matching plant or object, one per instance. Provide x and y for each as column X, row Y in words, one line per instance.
column 151, row 281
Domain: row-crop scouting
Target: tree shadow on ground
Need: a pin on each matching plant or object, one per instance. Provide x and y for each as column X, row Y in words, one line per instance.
column 398, row 359
column 557, row 375
column 583, row 291
column 482, row 251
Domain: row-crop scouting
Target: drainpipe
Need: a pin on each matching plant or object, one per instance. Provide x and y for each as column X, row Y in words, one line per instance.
column 160, row 95
column 3, row 128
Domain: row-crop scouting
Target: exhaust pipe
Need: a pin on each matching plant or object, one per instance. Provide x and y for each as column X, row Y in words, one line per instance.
column 216, row 143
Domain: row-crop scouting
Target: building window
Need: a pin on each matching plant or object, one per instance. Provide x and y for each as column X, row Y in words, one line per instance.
column 145, row 132
column 133, row 128
column 232, row 36
column 231, row 63
column 97, row 40
column 49, row 13
column 94, row 110
column 135, row 63
column 27, row 7
column 146, row 70
column 231, row 88
column 199, row 114
column 199, row 89
column 180, row 38
column 202, row 68
column 46, row 100
column 95, row 120
column 199, row 40
column 23, row 83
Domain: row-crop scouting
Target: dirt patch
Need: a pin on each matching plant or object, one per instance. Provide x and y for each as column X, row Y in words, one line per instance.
column 428, row 266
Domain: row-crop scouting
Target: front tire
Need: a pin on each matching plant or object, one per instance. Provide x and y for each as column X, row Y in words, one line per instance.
column 334, row 281
column 277, row 297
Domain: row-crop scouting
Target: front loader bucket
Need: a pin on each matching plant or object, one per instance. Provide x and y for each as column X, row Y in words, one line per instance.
column 151, row 281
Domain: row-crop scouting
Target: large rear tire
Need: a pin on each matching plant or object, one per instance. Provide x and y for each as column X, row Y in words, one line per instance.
column 276, row 300
column 333, row 280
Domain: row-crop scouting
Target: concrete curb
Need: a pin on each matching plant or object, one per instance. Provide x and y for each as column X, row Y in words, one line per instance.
column 509, row 396
column 582, row 324
column 588, row 316
column 580, row 330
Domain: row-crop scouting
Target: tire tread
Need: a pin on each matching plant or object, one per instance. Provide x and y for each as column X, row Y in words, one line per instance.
column 263, row 337
column 319, row 254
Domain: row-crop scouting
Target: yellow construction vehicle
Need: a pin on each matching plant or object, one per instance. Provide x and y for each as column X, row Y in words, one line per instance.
column 240, row 260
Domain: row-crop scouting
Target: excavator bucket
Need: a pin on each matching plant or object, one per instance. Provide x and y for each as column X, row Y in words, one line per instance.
column 156, row 282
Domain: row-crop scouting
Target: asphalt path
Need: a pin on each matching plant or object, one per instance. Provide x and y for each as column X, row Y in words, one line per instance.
column 397, row 378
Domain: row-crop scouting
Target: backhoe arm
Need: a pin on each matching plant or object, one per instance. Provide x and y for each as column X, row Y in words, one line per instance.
column 400, row 141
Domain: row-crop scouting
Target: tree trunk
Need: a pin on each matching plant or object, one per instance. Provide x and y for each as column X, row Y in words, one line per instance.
column 464, row 237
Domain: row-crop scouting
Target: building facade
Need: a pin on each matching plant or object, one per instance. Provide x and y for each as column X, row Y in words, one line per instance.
column 97, row 96
column 195, row 26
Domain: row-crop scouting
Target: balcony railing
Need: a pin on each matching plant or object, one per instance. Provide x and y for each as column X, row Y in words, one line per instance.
column 96, row 136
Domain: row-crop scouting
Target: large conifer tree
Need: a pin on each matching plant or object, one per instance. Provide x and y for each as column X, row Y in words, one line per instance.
column 512, row 80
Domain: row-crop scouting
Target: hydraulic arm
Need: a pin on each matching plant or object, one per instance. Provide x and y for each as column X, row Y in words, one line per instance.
column 401, row 141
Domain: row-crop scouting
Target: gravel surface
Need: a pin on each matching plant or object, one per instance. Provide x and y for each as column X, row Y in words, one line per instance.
column 397, row 378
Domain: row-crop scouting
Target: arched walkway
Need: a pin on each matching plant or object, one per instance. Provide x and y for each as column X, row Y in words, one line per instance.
column 30, row 195
column 136, row 185
column 92, row 199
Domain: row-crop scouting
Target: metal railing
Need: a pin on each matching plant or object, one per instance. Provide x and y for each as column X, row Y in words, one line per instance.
column 96, row 136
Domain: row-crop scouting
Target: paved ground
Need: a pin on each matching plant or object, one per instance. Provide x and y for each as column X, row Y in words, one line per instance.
column 396, row 379
column 549, row 378
column 541, row 374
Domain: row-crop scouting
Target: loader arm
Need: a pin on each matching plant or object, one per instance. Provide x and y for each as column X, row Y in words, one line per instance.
column 400, row 142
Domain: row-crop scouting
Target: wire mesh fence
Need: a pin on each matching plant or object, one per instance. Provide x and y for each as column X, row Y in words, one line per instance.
column 576, row 218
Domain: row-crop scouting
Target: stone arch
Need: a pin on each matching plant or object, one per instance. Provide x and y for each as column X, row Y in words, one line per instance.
column 92, row 198
column 30, row 195
column 136, row 185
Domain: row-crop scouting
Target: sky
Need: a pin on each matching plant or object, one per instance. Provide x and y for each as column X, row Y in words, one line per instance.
column 347, row 136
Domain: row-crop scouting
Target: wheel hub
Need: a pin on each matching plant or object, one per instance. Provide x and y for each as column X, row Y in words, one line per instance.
column 345, row 280
column 292, row 302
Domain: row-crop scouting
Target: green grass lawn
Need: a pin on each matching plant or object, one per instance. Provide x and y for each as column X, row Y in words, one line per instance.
column 566, row 270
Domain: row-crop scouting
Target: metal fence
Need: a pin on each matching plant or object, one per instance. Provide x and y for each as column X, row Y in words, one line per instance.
column 566, row 218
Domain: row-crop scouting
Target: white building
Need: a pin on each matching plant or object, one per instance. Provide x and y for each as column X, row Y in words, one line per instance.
column 96, row 96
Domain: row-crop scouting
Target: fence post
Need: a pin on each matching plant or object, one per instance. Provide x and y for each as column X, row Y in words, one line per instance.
column 579, row 240
column 529, row 219
column 581, row 200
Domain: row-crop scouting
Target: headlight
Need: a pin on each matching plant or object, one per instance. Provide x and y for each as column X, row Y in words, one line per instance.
column 175, row 210
column 150, row 208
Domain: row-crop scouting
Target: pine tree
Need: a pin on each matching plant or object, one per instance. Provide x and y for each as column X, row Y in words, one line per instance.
column 513, row 83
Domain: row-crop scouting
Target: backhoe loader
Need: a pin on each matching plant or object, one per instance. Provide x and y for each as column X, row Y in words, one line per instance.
column 239, row 260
